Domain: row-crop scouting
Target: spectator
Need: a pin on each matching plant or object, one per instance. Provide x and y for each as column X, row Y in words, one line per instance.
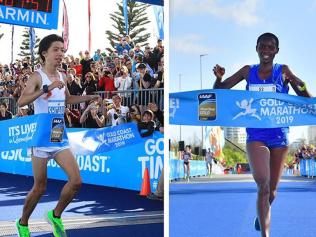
column 85, row 63
column 158, row 116
column 135, row 114
column 130, row 41
column 91, row 118
column 150, row 59
column 147, row 126
column 106, row 83
column 23, row 111
column 118, row 113
column 123, row 83
column 72, row 118
column 97, row 55
column 122, row 45
column 4, row 112
column 89, row 86
column 73, row 86
column 158, row 50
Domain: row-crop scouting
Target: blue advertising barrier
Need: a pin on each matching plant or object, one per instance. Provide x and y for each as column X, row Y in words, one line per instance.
column 197, row 168
column 308, row 167
column 38, row 14
column 246, row 109
column 120, row 167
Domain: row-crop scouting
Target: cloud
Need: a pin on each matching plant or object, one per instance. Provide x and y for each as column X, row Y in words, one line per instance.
column 242, row 12
column 190, row 44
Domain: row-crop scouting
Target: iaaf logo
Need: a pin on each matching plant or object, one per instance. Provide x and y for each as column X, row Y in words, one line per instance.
column 174, row 104
column 246, row 106
column 206, row 96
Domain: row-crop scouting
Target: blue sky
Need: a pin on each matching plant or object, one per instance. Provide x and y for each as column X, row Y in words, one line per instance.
column 227, row 30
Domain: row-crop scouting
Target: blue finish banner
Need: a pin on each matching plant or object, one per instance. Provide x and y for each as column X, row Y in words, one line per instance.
column 38, row 14
column 48, row 130
column 235, row 108
column 36, row 130
column 121, row 167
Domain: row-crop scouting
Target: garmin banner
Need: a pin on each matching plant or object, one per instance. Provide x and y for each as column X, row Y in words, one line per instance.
column 121, row 167
column 34, row 130
column 38, row 14
column 235, row 108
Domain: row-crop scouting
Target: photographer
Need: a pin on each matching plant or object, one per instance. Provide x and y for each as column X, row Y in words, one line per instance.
column 118, row 113
column 91, row 118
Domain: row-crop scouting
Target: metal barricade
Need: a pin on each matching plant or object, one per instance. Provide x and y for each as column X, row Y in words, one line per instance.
column 139, row 97
column 129, row 97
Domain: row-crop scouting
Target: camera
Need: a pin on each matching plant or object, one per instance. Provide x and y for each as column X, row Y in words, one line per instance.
column 6, row 83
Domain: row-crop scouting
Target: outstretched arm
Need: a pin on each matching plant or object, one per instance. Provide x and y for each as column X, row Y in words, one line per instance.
column 297, row 84
column 76, row 99
column 230, row 81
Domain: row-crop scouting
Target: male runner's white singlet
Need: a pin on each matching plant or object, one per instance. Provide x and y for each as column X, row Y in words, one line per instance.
column 54, row 104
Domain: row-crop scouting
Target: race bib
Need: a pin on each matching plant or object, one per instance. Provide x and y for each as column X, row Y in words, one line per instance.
column 56, row 106
column 262, row 87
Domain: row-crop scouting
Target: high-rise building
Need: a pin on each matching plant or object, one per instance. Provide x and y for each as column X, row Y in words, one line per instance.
column 311, row 134
column 235, row 134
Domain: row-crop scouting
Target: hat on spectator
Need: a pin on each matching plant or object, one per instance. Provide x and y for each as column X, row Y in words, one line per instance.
column 148, row 111
column 24, row 107
column 140, row 65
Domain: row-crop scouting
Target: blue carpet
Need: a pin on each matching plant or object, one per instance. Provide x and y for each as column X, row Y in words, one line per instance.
column 228, row 209
column 148, row 230
column 91, row 200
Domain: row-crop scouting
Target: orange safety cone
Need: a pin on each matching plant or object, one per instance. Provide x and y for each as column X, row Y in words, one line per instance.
column 145, row 190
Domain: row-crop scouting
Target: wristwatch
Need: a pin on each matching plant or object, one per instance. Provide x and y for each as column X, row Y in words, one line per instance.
column 45, row 88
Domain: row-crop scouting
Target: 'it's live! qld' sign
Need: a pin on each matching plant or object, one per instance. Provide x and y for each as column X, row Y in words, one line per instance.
column 32, row 13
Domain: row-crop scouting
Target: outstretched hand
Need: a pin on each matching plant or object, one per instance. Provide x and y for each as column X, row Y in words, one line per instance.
column 219, row 71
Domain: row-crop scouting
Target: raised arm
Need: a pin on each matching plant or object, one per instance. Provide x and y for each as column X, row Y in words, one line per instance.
column 297, row 84
column 230, row 81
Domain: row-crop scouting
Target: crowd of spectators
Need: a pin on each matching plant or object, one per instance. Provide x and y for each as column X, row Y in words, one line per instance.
column 121, row 78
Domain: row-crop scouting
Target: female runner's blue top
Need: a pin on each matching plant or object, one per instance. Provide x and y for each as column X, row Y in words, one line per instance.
column 274, row 83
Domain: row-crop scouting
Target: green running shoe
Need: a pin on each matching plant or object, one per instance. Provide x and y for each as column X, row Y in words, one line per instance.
column 23, row 231
column 56, row 223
